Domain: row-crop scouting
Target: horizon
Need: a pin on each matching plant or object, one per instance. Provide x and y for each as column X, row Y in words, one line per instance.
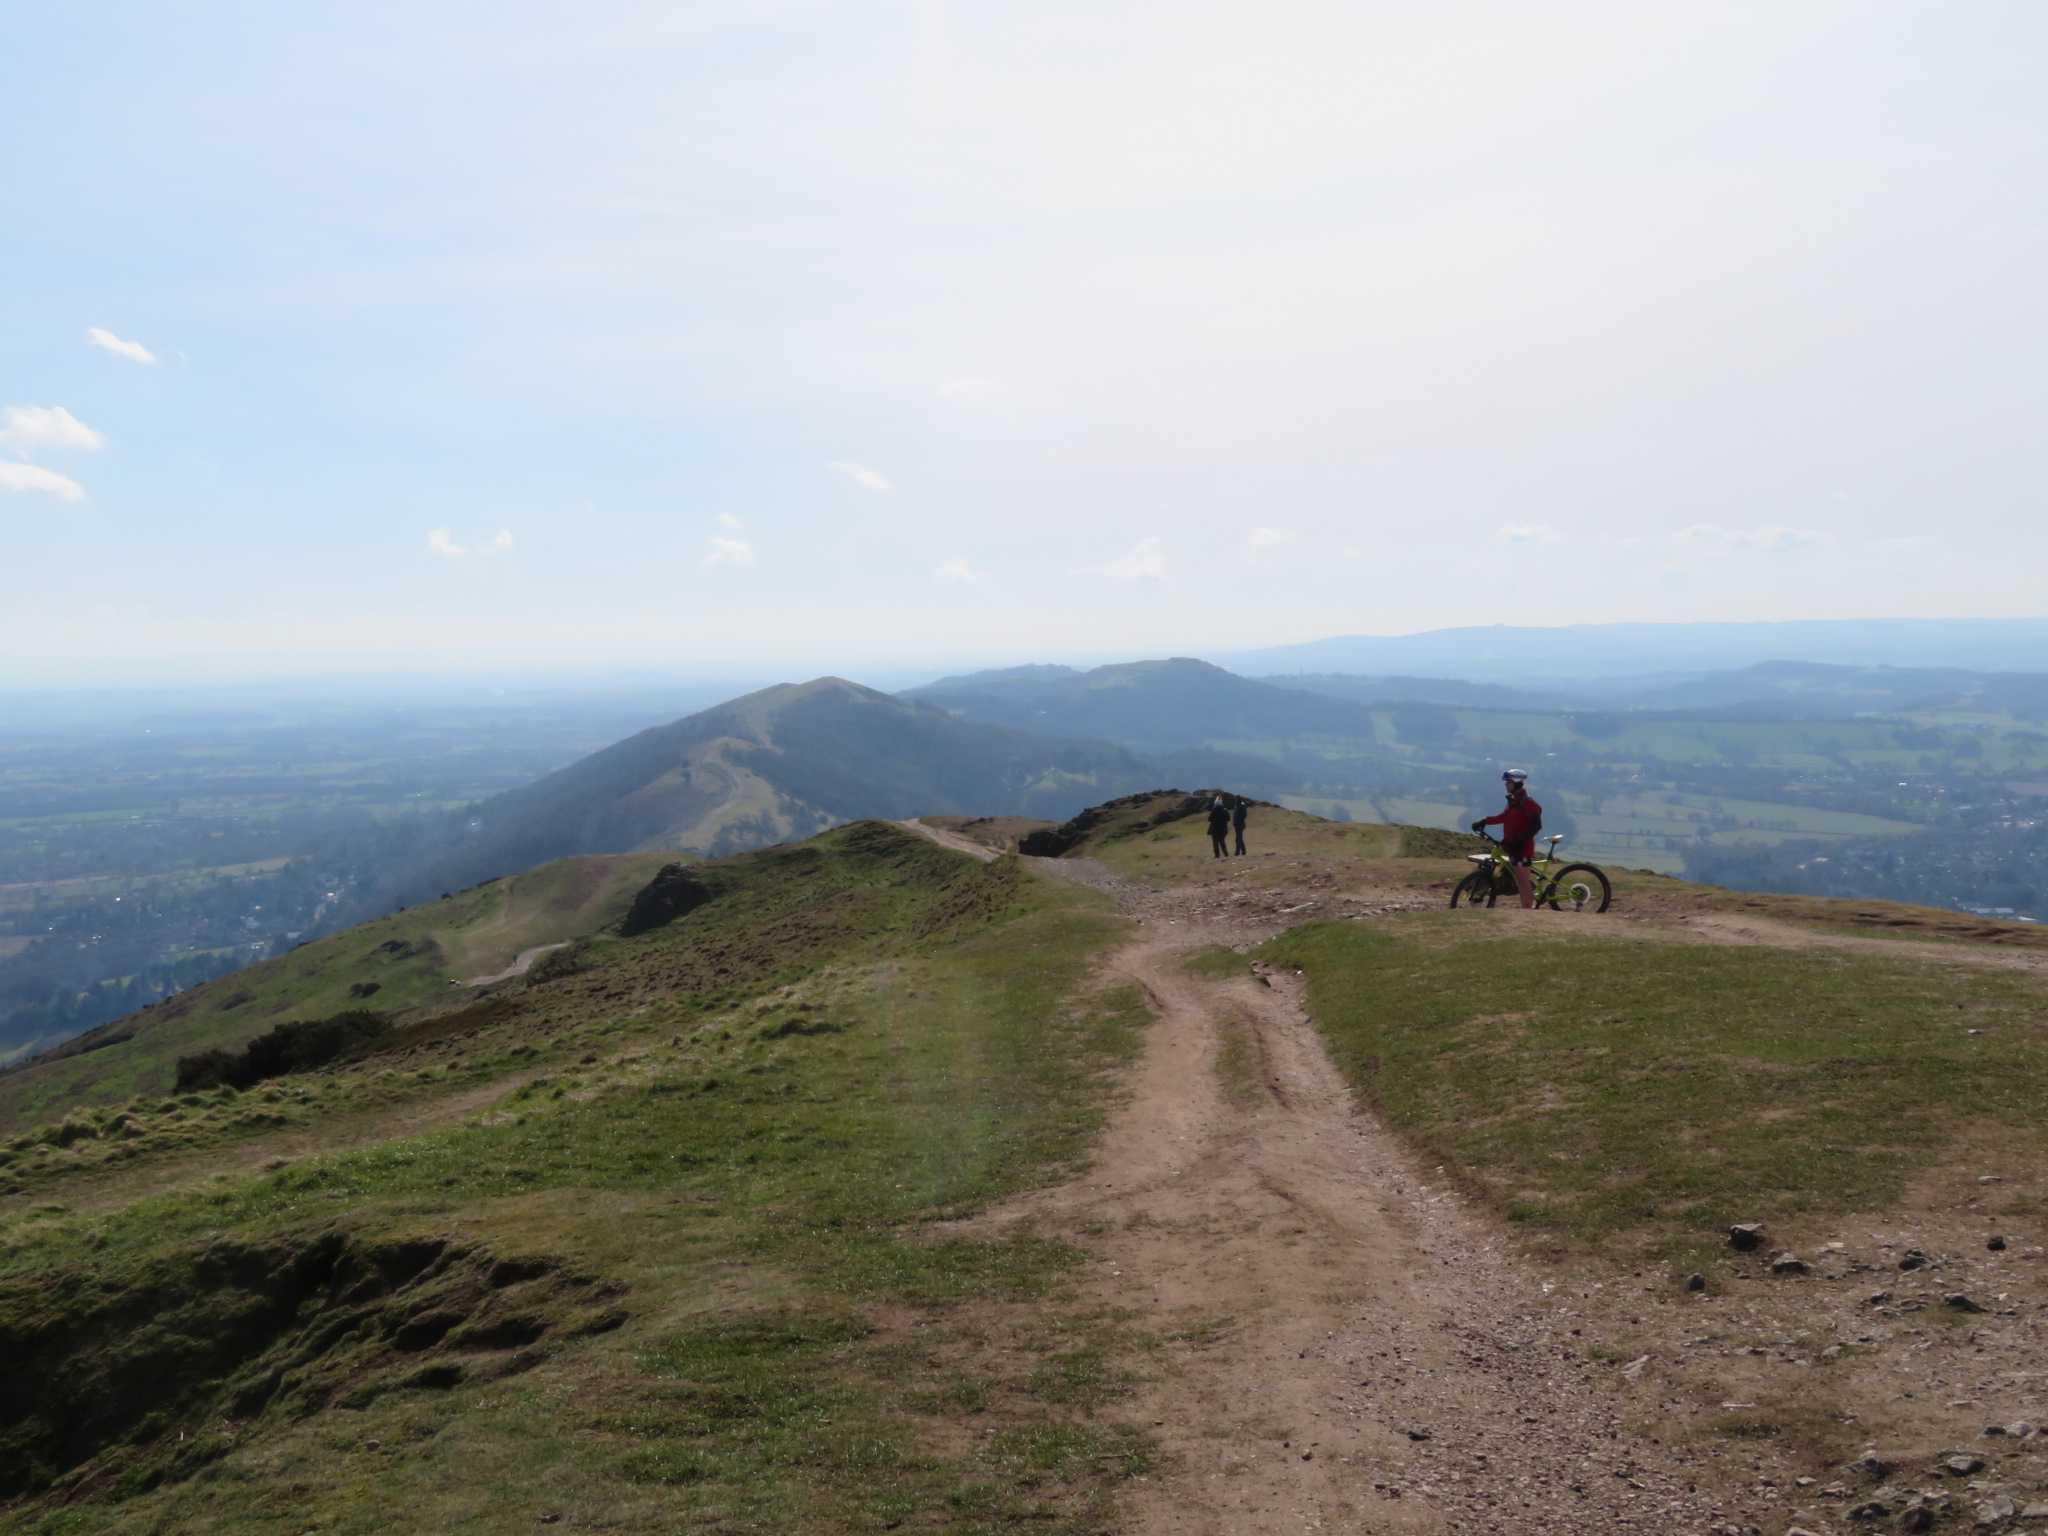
column 1469, row 652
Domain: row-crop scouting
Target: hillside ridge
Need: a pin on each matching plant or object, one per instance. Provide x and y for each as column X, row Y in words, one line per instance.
column 891, row 1177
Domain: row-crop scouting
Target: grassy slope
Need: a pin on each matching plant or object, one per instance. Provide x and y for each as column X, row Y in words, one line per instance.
column 411, row 957
column 1618, row 1089
column 1626, row 1094
column 696, row 1272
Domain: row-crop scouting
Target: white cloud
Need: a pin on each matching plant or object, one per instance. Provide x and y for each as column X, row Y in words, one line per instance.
column 442, row 542
column 729, row 551
column 134, row 351
column 1893, row 546
column 1265, row 538
column 967, row 389
column 1144, row 561
column 27, row 428
column 727, row 520
column 31, row 477
column 861, row 474
column 958, row 570
column 1710, row 538
column 1699, row 540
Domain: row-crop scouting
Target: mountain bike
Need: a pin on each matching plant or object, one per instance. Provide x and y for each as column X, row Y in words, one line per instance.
column 1574, row 888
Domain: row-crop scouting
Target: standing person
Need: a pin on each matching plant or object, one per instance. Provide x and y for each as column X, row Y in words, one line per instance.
column 1519, row 823
column 1219, row 828
column 1238, row 812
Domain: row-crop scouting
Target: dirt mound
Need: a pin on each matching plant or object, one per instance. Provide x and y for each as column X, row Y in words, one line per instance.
column 1124, row 817
column 1002, row 833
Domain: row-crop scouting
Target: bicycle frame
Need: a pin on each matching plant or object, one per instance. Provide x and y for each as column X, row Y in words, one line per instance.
column 1498, row 856
column 1546, row 878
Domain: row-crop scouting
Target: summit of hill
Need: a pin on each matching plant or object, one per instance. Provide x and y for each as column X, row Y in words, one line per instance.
column 778, row 765
column 1176, row 703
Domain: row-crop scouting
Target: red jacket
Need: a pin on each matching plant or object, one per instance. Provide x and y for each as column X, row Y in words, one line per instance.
column 1518, row 824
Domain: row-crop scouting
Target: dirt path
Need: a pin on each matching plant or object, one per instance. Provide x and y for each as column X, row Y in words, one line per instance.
column 952, row 840
column 518, row 967
column 1356, row 1348
column 1349, row 1345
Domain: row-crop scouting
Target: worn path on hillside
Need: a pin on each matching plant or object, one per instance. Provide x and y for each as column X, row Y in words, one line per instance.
column 1349, row 1345
column 519, row 967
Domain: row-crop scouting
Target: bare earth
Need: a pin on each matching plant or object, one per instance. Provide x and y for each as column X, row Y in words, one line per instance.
column 1356, row 1347
column 519, row 967
column 1386, row 1361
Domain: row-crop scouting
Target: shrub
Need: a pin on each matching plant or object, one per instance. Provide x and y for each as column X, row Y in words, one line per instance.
column 295, row 1047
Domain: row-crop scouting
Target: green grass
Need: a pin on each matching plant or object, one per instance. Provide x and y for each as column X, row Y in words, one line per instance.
column 1279, row 841
column 410, row 958
column 764, row 1176
column 1238, row 1066
column 1623, row 1095
column 1218, row 962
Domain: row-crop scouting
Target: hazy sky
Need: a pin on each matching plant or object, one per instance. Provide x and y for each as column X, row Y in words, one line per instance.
column 838, row 333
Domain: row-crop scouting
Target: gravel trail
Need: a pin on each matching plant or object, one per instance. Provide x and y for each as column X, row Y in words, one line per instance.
column 1350, row 1346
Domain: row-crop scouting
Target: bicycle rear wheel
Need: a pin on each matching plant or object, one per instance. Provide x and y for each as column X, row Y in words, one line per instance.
column 1475, row 890
column 1577, row 888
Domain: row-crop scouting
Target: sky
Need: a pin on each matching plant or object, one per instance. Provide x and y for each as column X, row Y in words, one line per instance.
column 730, row 336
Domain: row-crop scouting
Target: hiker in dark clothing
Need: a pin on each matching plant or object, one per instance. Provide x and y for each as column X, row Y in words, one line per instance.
column 1219, row 828
column 1237, row 816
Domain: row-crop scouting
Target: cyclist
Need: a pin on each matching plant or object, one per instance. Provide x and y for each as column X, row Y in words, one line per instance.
column 1519, row 823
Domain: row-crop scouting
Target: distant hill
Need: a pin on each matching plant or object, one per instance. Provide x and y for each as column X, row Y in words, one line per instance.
column 1149, row 705
column 775, row 766
column 1806, row 690
column 1519, row 653
column 1859, row 690
column 1452, row 692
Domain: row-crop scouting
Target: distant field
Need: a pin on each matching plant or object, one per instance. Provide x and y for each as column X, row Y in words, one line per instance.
column 1383, row 808
column 27, row 893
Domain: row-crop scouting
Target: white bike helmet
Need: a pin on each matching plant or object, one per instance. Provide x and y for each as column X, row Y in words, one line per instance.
column 1515, row 776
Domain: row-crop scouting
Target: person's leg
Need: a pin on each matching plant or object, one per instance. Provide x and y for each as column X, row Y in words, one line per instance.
column 1215, row 845
column 1525, row 882
column 1240, row 839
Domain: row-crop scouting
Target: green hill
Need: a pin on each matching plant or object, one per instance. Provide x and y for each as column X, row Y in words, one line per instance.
column 418, row 958
column 1155, row 706
column 776, row 1199
column 620, row 1239
column 775, row 766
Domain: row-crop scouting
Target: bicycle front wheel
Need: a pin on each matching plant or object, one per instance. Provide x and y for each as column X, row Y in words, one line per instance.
column 1475, row 890
column 1577, row 888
